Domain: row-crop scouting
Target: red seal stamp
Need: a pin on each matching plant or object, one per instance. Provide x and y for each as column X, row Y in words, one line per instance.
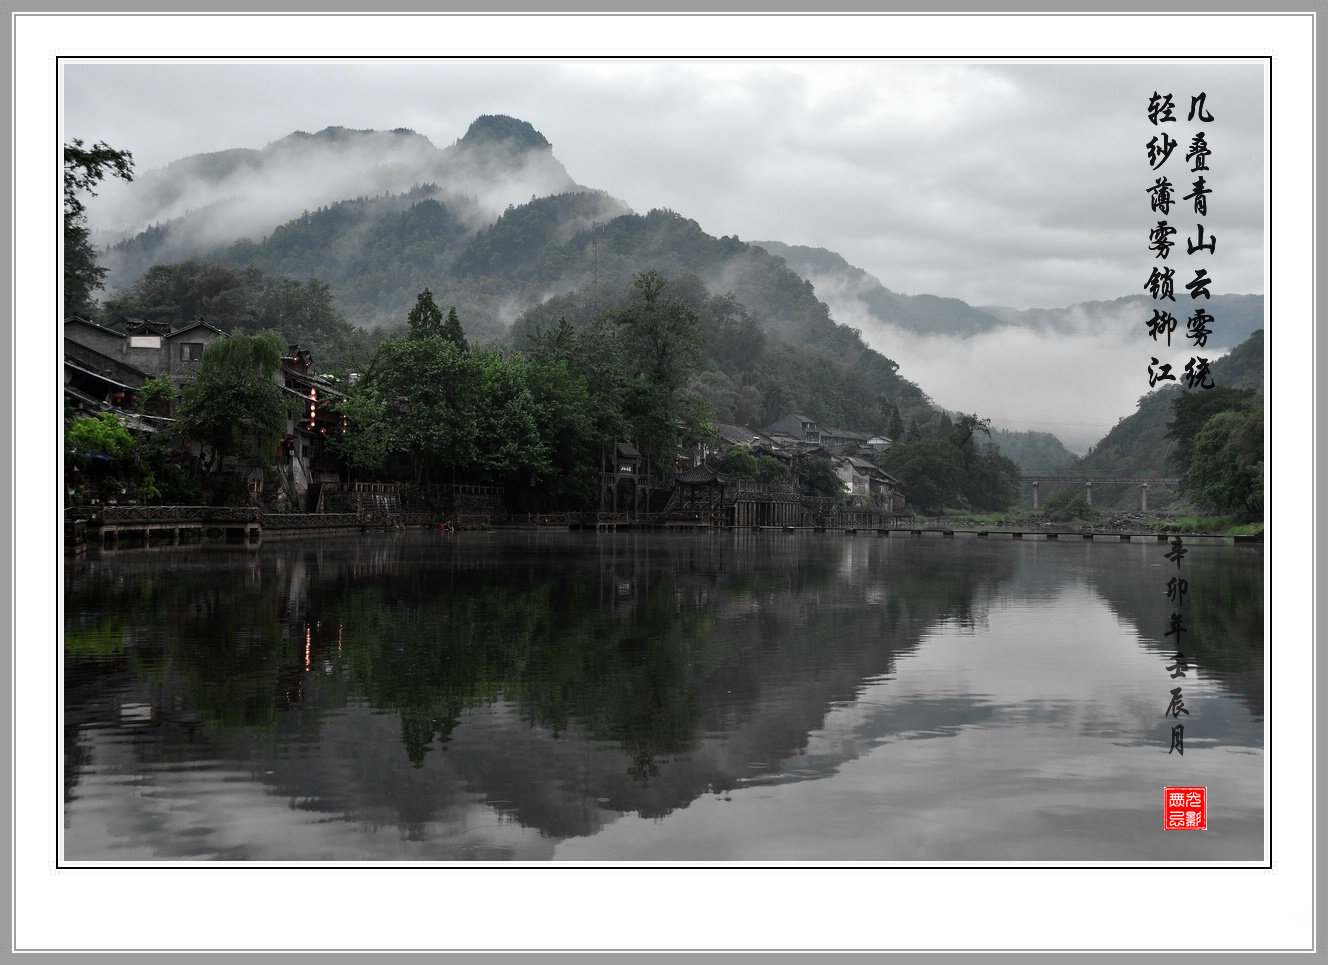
column 1185, row 808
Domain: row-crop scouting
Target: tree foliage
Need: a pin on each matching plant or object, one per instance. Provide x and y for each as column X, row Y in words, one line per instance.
column 246, row 300
column 1068, row 505
column 1226, row 462
column 447, row 414
column 1190, row 412
column 104, row 435
column 426, row 318
column 84, row 168
column 742, row 462
column 233, row 406
column 661, row 343
column 948, row 467
column 453, row 332
column 818, row 477
column 931, row 471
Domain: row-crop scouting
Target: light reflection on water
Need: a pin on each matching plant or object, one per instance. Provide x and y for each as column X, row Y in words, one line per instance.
column 696, row 698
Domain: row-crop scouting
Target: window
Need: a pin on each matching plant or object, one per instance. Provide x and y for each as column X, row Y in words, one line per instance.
column 191, row 351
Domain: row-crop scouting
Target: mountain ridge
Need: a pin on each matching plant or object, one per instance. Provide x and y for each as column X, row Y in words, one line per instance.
column 496, row 226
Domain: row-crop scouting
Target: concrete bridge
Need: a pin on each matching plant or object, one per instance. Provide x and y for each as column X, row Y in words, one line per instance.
column 1087, row 480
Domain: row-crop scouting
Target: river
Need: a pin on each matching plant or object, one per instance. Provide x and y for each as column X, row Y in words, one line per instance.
column 538, row 697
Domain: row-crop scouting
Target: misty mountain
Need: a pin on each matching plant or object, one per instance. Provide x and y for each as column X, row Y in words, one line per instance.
column 1138, row 443
column 838, row 282
column 1033, row 451
column 1238, row 317
column 497, row 228
column 858, row 298
column 198, row 204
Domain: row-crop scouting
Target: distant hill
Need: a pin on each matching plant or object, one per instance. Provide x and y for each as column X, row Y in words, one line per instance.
column 1033, row 451
column 1237, row 317
column 837, row 280
column 495, row 226
column 853, row 293
column 1137, row 444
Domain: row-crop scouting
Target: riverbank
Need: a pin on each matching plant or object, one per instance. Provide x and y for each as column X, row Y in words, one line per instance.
column 1133, row 523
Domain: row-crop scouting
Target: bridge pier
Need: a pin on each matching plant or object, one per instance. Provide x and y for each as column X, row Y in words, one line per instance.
column 1035, row 480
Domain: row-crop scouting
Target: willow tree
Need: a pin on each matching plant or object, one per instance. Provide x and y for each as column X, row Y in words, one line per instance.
column 234, row 406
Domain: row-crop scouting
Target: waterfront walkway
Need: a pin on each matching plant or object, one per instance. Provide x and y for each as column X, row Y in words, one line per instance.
column 138, row 527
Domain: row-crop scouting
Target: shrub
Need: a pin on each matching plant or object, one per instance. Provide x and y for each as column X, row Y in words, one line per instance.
column 1065, row 505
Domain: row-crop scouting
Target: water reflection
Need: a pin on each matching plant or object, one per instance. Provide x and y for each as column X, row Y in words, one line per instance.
column 536, row 696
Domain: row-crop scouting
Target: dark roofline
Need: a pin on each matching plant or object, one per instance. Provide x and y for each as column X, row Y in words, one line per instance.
column 97, row 375
column 193, row 325
column 91, row 324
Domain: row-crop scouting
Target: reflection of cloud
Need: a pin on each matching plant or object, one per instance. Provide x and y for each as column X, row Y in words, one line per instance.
column 974, row 750
column 207, row 814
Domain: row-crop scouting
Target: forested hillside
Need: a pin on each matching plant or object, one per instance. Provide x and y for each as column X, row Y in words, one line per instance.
column 1139, row 443
column 496, row 229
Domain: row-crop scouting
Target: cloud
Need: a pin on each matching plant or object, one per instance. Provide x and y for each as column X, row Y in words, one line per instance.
column 1012, row 184
column 999, row 183
column 1022, row 378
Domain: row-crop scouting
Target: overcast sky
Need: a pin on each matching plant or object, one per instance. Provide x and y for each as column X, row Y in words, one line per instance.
column 996, row 182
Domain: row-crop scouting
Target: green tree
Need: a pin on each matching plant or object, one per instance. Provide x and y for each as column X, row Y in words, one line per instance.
column 931, row 471
column 422, row 399
column 510, row 422
column 233, row 405
column 453, row 332
column 84, row 168
column 1226, row 467
column 662, row 341
column 991, row 480
column 579, row 379
column 965, row 428
column 895, row 427
column 104, row 435
column 1066, row 505
column 100, row 453
column 426, row 318
column 1191, row 411
column 156, row 394
column 739, row 461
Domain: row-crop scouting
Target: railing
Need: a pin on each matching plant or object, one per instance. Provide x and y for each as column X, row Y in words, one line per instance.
column 755, row 486
column 1066, row 478
column 211, row 514
column 534, row 519
column 275, row 521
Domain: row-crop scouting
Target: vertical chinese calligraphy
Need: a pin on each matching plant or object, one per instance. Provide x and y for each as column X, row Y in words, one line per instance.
column 1161, row 282
column 1177, row 588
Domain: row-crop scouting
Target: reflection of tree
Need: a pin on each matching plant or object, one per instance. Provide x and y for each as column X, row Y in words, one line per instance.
column 545, row 647
column 1223, row 610
column 667, row 649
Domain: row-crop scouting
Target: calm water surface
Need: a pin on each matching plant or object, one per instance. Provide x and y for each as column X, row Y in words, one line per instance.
column 538, row 697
